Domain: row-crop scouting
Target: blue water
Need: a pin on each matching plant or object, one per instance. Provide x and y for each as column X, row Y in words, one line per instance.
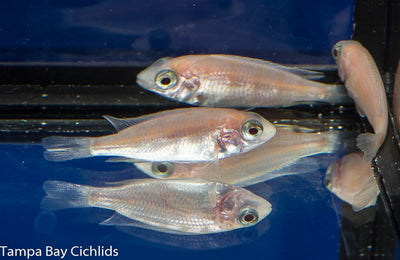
column 304, row 222
column 302, row 225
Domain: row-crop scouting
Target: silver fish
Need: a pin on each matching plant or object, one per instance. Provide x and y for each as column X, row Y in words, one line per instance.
column 268, row 161
column 358, row 71
column 352, row 180
column 186, row 206
column 188, row 134
column 233, row 81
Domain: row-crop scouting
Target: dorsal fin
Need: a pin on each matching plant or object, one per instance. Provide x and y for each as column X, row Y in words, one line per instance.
column 122, row 123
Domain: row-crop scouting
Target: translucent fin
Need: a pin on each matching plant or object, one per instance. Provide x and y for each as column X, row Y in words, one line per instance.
column 122, row 123
column 360, row 111
column 120, row 220
column 60, row 148
column 366, row 142
column 123, row 159
column 305, row 73
column 63, row 195
column 367, row 196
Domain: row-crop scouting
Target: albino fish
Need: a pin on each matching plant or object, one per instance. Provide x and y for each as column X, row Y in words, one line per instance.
column 358, row 71
column 396, row 98
column 185, row 206
column 233, row 81
column 188, row 134
column 352, row 180
column 263, row 163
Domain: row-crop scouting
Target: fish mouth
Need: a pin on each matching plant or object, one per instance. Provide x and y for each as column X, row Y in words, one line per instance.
column 141, row 81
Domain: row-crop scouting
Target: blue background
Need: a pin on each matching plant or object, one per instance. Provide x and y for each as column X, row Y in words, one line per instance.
column 303, row 224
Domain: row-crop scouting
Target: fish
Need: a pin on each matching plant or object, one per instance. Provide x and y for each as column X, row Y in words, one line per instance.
column 181, row 206
column 268, row 161
column 233, row 81
column 352, row 179
column 185, row 134
column 396, row 98
column 361, row 77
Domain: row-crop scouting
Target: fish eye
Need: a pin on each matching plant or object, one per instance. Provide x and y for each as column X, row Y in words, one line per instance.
column 248, row 217
column 166, row 79
column 162, row 169
column 336, row 52
column 328, row 183
column 252, row 129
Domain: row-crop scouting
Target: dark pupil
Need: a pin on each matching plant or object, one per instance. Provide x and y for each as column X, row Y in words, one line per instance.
column 162, row 168
column 335, row 52
column 166, row 81
column 253, row 131
column 248, row 218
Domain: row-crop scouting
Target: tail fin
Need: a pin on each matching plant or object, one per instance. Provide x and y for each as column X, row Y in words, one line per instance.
column 60, row 148
column 338, row 95
column 366, row 142
column 63, row 195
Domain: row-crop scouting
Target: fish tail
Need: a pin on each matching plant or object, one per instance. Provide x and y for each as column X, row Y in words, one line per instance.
column 338, row 95
column 64, row 195
column 367, row 143
column 60, row 148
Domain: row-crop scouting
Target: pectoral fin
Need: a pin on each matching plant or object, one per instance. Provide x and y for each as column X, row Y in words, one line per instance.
column 367, row 196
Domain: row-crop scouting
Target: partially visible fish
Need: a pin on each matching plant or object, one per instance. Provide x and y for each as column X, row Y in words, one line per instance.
column 263, row 163
column 233, row 81
column 352, row 180
column 190, row 206
column 358, row 71
column 396, row 98
column 188, row 134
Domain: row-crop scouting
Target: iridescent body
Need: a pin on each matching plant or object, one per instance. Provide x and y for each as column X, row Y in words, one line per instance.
column 188, row 134
column 358, row 71
column 352, row 180
column 173, row 206
column 260, row 164
column 233, row 81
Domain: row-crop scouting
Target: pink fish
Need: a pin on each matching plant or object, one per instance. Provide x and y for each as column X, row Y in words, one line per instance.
column 358, row 71
column 352, row 180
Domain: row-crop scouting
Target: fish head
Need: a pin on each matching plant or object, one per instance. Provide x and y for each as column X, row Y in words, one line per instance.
column 241, row 208
column 341, row 52
column 168, row 170
column 255, row 131
column 243, row 132
column 346, row 176
column 167, row 78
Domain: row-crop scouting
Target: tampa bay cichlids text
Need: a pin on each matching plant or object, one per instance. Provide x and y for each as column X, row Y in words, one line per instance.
column 50, row 251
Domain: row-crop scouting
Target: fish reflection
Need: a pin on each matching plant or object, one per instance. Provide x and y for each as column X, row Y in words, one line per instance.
column 268, row 161
column 358, row 71
column 188, row 134
column 173, row 206
column 352, row 180
column 197, row 242
column 136, row 18
column 233, row 81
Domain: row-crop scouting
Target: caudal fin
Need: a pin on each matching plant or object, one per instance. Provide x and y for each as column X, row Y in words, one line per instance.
column 366, row 142
column 60, row 148
column 63, row 195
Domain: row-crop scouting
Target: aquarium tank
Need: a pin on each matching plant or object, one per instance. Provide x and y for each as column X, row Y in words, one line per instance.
column 72, row 71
